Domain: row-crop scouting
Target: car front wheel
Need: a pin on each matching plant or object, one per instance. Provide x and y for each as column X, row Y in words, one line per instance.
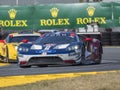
column 24, row 66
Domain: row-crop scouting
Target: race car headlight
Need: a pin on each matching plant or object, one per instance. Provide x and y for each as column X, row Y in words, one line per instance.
column 36, row 47
column 76, row 47
column 61, row 46
column 23, row 49
column 16, row 47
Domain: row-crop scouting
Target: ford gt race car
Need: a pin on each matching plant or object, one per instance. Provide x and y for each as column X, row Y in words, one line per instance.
column 60, row 48
column 8, row 47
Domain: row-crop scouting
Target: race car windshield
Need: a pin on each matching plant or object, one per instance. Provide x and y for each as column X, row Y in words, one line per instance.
column 57, row 40
column 18, row 39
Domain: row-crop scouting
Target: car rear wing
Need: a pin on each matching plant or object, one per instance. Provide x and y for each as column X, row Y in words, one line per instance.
column 87, row 31
column 91, row 30
column 96, row 35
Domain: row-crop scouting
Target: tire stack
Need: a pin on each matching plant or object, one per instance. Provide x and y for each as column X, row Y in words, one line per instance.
column 106, row 38
column 115, row 38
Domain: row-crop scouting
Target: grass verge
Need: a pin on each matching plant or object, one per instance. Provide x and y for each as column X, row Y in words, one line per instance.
column 107, row 81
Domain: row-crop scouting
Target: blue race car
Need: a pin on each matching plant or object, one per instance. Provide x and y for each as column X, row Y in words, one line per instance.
column 60, row 48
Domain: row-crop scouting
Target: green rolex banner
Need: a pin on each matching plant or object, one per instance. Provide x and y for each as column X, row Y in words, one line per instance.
column 72, row 15
column 116, row 14
column 54, row 16
column 59, row 16
column 93, row 12
column 16, row 17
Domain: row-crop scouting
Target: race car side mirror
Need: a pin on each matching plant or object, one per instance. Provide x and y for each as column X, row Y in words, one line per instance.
column 88, row 39
column 24, row 40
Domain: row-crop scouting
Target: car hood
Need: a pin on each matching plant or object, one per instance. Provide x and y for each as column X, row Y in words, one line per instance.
column 47, row 46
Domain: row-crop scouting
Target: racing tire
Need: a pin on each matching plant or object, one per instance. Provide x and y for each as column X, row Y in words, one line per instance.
column 24, row 66
column 83, row 56
column 7, row 56
column 99, row 59
column 42, row 65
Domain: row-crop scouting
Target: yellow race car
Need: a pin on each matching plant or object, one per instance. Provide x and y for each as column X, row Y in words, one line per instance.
column 8, row 47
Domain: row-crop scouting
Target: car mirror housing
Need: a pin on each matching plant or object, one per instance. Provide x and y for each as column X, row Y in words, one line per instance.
column 24, row 40
column 88, row 39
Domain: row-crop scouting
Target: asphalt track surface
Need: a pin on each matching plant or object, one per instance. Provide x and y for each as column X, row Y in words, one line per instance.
column 110, row 61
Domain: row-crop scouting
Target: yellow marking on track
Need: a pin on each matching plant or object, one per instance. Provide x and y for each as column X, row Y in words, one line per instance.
column 21, row 80
column 3, row 64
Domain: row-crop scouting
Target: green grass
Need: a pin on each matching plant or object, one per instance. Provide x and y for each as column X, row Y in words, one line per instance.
column 109, row 81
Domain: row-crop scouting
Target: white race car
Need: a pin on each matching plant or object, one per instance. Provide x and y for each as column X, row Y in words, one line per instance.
column 60, row 48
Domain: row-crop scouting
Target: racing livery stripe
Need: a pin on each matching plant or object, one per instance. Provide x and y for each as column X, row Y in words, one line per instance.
column 11, row 80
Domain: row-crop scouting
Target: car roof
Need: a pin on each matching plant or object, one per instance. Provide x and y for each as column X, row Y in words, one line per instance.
column 63, row 33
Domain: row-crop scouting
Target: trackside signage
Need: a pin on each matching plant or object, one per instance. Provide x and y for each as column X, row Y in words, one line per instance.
column 72, row 15
column 116, row 14
column 50, row 16
column 16, row 17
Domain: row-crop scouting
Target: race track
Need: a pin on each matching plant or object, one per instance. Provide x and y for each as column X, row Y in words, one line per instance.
column 110, row 61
